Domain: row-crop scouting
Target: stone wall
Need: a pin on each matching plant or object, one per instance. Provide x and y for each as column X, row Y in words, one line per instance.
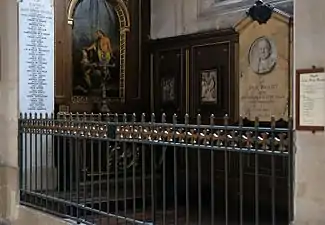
column 8, row 110
column 177, row 17
column 310, row 157
column 10, row 211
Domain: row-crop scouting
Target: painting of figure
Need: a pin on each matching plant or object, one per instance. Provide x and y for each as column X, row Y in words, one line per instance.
column 209, row 86
column 95, row 49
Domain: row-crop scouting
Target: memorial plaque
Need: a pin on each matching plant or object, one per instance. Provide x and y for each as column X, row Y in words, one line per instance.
column 36, row 56
column 263, row 86
column 264, row 97
column 265, row 68
column 36, row 86
column 310, row 99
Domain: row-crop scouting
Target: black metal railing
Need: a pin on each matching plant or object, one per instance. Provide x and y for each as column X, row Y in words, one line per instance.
column 120, row 169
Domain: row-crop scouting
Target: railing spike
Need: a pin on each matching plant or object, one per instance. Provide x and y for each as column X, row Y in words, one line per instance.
column 134, row 117
column 124, row 118
column 241, row 121
column 143, row 117
column 273, row 122
column 198, row 119
column 226, row 120
column 163, row 118
column 212, row 119
column 256, row 123
column 187, row 119
column 174, row 119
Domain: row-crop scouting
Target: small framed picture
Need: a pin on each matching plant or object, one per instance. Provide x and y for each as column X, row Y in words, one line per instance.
column 209, row 86
column 168, row 89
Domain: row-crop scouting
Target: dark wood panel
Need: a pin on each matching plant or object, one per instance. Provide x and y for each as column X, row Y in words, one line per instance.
column 211, row 79
column 59, row 53
column 202, row 53
column 169, row 82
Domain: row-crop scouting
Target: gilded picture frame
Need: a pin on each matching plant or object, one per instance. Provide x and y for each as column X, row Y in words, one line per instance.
column 123, row 16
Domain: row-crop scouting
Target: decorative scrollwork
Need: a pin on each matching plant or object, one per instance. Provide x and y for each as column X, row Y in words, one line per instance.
column 205, row 137
column 232, row 138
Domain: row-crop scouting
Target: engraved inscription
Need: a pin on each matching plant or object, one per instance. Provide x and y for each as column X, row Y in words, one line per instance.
column 264, row 100
column 36, row 56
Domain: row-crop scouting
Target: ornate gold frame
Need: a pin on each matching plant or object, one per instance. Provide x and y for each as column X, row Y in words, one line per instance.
column 124, row 22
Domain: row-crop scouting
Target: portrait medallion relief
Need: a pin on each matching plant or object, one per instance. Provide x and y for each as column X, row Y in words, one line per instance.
column 262, row 56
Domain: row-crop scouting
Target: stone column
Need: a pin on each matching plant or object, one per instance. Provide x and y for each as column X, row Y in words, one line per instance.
column 310, row 157
column 8, row 110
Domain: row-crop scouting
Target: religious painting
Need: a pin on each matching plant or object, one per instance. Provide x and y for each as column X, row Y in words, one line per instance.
column 209, row 86
column 95, row 49
column 168, row 89
column 262, row 56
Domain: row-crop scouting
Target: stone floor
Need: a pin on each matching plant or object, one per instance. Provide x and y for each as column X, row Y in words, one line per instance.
column 170, row 220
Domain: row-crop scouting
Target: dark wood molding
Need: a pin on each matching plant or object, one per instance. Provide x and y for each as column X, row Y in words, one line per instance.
column 218, row 51
column 185, row 40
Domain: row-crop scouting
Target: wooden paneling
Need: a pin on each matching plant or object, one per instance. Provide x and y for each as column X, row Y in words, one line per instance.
column 60, row 54
column 185, row 58
column 169, row 83
column 214, row 57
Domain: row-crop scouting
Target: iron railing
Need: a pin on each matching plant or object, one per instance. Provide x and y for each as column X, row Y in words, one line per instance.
column 111, row 169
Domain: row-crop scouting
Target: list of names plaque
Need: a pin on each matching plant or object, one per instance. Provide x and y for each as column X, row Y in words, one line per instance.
column 36, row 56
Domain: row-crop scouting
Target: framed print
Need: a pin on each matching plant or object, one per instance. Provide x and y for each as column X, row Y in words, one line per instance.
column 168, row 89
column 209, row 86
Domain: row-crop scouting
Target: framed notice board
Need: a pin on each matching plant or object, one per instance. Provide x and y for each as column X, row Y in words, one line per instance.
column 310, row 99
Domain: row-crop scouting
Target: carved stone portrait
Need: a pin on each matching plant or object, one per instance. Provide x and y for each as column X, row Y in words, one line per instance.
column 262, row 55
column 168, row 89
column 209, row 86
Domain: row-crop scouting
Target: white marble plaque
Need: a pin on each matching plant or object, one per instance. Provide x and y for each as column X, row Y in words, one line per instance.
column 262, row 55
column 36, row 87
column 312, row 100
column 36, row 56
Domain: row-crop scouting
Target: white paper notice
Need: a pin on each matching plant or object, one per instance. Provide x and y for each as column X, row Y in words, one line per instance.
column 312, row 99
column 36, row 56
